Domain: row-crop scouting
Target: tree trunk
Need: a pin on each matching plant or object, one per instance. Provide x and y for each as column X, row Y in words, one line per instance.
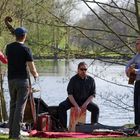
column 3, row 112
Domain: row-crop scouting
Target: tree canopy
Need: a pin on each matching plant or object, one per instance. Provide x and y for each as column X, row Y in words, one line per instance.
column 109, row 29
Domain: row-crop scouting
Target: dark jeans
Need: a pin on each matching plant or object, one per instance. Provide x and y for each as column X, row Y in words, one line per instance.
column 18, row 89
column 137, row 102
column 65, row 105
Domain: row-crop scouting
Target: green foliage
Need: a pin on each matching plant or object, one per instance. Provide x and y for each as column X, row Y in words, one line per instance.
column 43, row 21
column 2, row 43
column 108, row 30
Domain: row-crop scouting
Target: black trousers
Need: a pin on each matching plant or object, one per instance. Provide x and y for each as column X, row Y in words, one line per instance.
column 137, row 102
column 66, row 105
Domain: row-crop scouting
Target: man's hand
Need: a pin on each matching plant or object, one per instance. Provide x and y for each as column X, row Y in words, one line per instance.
column 78, row 110
column 36, row 76
column 131, row 70
column 85, row 104
column 84, row 107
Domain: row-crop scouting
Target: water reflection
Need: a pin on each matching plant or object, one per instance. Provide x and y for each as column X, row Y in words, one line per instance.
column 59, row 67
column 53, row 67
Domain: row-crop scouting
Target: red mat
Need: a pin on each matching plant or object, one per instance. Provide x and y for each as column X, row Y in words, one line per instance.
column 41, row 134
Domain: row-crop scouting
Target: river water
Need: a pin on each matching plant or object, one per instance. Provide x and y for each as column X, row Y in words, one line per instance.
column 114, row 95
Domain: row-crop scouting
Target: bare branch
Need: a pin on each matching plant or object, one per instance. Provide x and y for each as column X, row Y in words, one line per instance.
column 123, row 13
column 79, row 27
column 107, row 26
column 137, row 14
column 110, row 6
column 118, row 18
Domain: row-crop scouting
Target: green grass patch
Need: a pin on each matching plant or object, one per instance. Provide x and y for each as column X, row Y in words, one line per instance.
column 5, row 137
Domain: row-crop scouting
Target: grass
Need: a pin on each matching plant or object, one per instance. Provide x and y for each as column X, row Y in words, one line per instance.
column 5, row 137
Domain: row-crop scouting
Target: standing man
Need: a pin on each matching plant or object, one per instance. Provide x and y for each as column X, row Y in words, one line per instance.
column 129, row 69
column 19, row 57
column 81, row 92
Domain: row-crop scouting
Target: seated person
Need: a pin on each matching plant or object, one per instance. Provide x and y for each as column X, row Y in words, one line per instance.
column 81, row 91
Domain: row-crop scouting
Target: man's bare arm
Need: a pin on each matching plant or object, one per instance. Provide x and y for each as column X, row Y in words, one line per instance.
column 32, row 69
column 72, row 100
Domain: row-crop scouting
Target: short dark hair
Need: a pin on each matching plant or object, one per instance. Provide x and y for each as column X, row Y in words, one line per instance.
column 81, row 64
column 20, row 37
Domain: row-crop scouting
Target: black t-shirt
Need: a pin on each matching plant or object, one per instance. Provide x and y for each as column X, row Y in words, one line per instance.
column 80, row 88
column 18, row 54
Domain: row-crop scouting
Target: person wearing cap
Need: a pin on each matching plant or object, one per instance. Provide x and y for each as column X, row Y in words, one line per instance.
column 81, row 92
column 19, row 58
column 135, row 70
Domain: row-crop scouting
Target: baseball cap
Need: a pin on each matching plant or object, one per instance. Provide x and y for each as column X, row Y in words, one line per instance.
column 20, row 31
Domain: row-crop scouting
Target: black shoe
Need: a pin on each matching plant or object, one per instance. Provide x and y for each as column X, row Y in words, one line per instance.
column 136, row 130
column 136, row 127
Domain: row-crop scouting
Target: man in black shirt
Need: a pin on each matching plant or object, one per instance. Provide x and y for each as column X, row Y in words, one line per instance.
column 19, row 57
column 81, row 91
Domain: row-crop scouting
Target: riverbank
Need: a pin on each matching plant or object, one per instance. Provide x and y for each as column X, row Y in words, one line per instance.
column 91, row 56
